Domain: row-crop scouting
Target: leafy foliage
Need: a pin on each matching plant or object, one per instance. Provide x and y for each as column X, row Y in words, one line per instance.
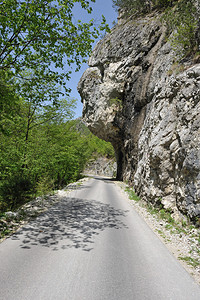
column 116, row 102
column 43, row 150
column 16, row 191
column 183, row 20
column 141, row 6
column 129, row 6
column 42, row 37
column 181, row 17
column 40, row 149
column 8, row 99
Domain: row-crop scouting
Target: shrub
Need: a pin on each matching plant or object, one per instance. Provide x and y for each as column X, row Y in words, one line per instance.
column 181, row 18
column 16, row 190
column 44, row 186
column 141, row 6
column 183, row 21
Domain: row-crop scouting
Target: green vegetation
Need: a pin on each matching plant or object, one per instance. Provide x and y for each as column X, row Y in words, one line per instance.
column 183, row 21
column 43, row 153
column 190, row 261
column 171, row 226
column 163, row 214
column 117, row 102
column 39, row 39
column 176, row 69
column 41, row 148
column 132, row 195
column 141, row 6
column 181, row 18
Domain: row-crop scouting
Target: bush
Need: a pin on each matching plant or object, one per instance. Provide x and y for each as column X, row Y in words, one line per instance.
column 181, row 18
column 141, row 6
column 131, row 6
column 183, row 21
column 44, row 186
column 16, row 190
column 54, row 155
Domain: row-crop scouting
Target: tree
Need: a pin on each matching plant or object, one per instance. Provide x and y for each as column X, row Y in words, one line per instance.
column 8, row 99
column 41, row 36
column 141, row 6
column 131, row 6
column 39, row 42
column 183, row 21
column 55, row 154
column 181, row 18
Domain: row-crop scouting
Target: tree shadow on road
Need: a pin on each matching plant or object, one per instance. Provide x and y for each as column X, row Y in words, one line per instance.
column 72, row 223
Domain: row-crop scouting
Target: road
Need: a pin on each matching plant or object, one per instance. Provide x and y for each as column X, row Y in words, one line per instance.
column 91, row 245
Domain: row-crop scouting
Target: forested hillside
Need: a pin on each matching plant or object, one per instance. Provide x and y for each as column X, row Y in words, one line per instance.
column 41, row 150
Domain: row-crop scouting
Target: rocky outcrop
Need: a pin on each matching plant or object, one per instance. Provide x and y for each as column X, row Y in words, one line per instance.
column 101, row 166
column 136, row 97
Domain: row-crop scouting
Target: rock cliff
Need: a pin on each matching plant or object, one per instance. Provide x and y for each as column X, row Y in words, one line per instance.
column 136, row 97
column 102, row 166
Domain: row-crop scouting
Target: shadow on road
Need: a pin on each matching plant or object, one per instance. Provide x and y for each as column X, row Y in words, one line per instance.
column 75, row 187
column 108, row 180
column 72, row 223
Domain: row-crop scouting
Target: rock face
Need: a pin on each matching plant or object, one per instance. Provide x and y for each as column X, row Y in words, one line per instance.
column 136, row 97
column 101, row 166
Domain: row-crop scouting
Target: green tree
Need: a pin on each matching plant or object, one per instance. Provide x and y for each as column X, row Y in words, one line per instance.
column 39, row 146
column 20, row 165
column 51, row 155
column 131, row 6
column 8, row 99
column 181, row 18
column 183, row 21
column 41, row 36
column 141, row 6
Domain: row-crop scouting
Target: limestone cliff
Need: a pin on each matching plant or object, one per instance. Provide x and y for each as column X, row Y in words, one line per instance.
column 137, row 98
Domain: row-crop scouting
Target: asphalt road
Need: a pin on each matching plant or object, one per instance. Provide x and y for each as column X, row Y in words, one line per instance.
column 91, row 246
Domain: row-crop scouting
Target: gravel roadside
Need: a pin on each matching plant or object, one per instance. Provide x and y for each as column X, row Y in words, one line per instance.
column 10, row 222
column 182, row 241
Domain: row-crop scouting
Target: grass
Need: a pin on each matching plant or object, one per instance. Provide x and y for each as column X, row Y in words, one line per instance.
column 161, row 214
column 117, row 102
column 165, row 215
column 132, row 195
column 173, row 227
column 168, row 226
column 176, row 69
column 152, row 210
column 190, row 261
column 161, row 233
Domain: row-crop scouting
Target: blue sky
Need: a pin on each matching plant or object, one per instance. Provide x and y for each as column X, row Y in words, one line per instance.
column 101, row 7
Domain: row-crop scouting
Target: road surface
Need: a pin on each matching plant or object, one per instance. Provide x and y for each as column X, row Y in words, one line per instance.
column 91, row 246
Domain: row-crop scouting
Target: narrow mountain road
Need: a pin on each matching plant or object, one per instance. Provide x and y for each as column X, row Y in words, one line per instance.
column 91, row 245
